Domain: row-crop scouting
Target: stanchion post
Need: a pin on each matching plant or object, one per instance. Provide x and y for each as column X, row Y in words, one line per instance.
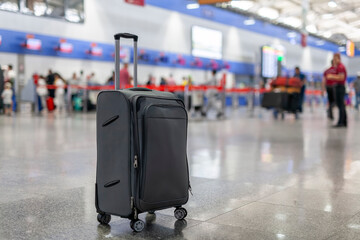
column 85, row 97
column 186, row 97
column 223, row 99
column 36, row 105
column 69, row 100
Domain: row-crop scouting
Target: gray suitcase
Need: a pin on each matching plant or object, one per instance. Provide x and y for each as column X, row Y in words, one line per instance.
column 141, row 151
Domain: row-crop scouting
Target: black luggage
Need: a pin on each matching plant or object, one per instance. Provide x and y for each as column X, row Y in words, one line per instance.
column 277, row 100
column 141, row 151
column 281, row 100
column 293, row 102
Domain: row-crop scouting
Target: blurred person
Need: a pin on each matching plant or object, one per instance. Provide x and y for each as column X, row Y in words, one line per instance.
column 356, row 85
column 6, row 96
column 298, row 74
column 151, row 80
column 339, row 77
column 184, row 81
column 171, row 81
column 59, row 92
column 10, row 75
column 42, row 91
column 124, row 76
column 91, row 80
column 73, row 82
column 50, row 79
column 82, row 79
column 163, row 81
column 329, row 86
column 212, row 95
column 111, row 80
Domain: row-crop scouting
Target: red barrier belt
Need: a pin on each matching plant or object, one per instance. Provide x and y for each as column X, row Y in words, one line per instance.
column 181, row 88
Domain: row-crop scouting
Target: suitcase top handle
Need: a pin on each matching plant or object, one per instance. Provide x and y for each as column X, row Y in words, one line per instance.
column 140, row 89
column 126, row 35
column 117, row 57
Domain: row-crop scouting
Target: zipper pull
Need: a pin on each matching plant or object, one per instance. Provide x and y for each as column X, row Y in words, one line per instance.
column 135, row 161
column 190, row 190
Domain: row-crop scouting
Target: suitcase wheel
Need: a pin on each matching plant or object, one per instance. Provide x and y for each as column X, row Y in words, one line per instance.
column 104, row 218
column 137, row 225
column 180, row 213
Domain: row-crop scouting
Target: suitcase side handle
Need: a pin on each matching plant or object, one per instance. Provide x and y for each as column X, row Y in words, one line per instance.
column 117, row 57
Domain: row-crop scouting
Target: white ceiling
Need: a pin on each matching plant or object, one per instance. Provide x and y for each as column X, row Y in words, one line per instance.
column 334, row 19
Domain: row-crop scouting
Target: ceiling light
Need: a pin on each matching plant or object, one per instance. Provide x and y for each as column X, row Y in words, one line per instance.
column 9, row 6
column 311, row 17
column 268, row 13
column 292, row 21
column 249, row 21
column 243, row 5
column 327, row 16
column 192, row 6
column 311, row 28
column 332, row 4
column 327, row 34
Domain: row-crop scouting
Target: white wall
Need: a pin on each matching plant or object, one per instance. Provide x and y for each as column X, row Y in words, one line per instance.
column 158, row 29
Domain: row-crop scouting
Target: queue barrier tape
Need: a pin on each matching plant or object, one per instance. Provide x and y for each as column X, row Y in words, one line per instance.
column 181, row 89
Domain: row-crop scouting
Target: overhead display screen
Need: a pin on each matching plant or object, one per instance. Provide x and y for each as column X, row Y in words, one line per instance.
column 206, row 43
column 269, row 61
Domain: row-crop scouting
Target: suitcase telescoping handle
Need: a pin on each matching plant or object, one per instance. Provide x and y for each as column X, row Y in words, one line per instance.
column 117, row 57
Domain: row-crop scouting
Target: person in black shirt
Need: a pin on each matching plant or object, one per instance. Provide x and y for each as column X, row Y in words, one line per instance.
column 298, row 74
column 50, row 79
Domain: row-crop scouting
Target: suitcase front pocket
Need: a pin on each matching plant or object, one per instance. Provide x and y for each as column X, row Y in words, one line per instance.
column 164, row 170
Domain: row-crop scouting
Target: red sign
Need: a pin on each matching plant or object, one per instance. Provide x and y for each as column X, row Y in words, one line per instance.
column 136, row 2
column 65, row 47
column 33, row 44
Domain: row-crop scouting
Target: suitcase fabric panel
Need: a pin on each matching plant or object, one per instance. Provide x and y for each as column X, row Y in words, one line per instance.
column 113, row 149
column 165, row 177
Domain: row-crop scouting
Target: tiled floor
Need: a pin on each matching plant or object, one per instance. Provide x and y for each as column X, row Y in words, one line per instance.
column 252, row 178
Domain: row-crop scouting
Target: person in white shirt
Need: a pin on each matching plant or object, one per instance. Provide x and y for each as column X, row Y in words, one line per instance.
column 42, row 91
column 6, row 95
column 171, row 81
column 212, row 97
column 10, row 75
column 59, row 93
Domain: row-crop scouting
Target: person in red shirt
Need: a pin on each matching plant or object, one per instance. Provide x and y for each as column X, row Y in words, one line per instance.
column 339, row 78
column 329, row 87
column 124, row 76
